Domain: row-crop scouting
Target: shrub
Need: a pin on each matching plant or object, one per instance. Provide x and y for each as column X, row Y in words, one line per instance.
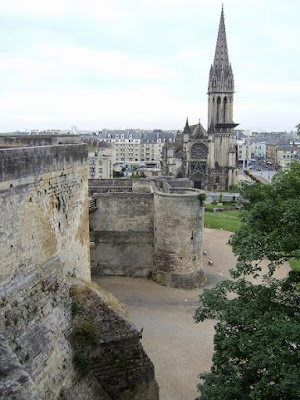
column 202, row 197
column 82, row 361
column 86, row 334
column 74, row 308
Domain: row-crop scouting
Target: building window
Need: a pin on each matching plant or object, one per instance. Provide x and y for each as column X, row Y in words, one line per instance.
column 199, row 151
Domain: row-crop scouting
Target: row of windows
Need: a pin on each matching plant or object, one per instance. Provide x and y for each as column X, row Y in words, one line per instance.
column 288, row 156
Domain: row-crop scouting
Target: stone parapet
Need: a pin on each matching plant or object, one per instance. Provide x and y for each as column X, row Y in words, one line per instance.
column 17, row 163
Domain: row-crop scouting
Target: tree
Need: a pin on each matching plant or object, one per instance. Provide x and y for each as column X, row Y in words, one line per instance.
column 298, row 129
column 257, row 334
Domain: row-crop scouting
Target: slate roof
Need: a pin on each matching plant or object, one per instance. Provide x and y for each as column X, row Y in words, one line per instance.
column 285, row 148
column 198, row 132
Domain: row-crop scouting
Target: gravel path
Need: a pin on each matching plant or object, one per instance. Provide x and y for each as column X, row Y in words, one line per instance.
column 179, row 348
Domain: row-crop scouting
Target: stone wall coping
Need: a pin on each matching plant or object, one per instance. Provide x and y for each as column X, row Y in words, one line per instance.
column 123, row 194
column 194, row 192
column 44, row 146
column 21, row 162
column 41, row 136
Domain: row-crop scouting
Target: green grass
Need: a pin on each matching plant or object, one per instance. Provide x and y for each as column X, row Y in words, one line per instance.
column 295, row 264
column 226, row 220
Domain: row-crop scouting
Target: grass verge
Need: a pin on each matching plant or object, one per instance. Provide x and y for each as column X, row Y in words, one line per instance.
column 226, row 220
column 295, row 264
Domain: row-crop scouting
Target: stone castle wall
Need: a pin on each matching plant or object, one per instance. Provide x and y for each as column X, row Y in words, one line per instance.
column 154, row 230
column 37, row 140
column 44, row 239
column 122, row 230
column 44, row 233
column 44, row 210
column 178, row 227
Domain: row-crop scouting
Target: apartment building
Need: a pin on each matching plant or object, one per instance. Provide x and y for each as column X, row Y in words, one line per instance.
column 100, row 162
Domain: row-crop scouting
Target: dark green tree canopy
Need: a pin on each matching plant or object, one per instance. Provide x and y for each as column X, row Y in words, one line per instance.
column 257, row 334
column 271, row 222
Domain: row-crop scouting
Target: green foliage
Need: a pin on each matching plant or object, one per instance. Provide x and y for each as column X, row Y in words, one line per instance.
column 117, row 174
column 138, row 175
column 226, row 220
column 82, row 362
column 74, row 308
column 270, row 228
column 295, row 264
column 298, row 129
column 86, row 334
column 257, row 334
column 123, row 360
column 202, row 197
column 256, row 341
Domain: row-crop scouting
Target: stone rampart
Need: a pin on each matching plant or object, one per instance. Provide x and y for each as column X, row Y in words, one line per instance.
column 37, row 140
column 122, row 230
column 44, row 210
column 44, row 231
column 155, row 234
column 44, row 239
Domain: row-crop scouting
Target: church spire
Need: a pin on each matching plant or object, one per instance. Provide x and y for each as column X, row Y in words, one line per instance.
column 220, row 86
column 221, row 76
column 221, row 54
column 187, row 127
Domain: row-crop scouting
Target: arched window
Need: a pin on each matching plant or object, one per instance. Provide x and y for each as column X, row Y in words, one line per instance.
column 218, row 109
column 224, row 109
column 217, row 179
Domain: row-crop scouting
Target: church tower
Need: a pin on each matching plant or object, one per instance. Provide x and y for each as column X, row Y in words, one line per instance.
column 209, row 158
column 221, row 87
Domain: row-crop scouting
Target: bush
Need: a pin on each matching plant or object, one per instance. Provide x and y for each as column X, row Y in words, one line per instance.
column 74, row 308
column 82, row 361
column 202, row 197
column 86, row 334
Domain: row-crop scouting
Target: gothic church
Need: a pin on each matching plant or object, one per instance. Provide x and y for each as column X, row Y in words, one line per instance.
column 209, row 158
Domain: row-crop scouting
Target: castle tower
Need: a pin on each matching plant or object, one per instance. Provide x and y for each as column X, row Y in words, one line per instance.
column 221, row 87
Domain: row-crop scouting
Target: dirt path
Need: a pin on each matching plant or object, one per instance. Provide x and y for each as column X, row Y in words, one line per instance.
column 179, row 348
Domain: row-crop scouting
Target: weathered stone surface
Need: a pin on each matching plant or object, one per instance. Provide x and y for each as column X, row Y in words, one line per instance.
column 15, row 383
column 178, row 236
column 44, row 210
column 122, row 230
column 154, row 230
column 44, row 251
column 118, row 360
column 37, row 140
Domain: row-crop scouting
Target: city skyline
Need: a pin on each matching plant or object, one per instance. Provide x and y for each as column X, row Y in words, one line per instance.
column 123, row 64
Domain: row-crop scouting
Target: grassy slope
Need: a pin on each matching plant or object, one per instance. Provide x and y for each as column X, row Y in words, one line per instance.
column 226, row 220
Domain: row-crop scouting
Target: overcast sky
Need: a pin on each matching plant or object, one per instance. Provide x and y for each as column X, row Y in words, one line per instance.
column 145, row 63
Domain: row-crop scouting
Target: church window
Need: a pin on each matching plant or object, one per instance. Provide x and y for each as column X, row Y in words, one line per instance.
column 199, row 151
column 224, row 109
column 218, row 109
